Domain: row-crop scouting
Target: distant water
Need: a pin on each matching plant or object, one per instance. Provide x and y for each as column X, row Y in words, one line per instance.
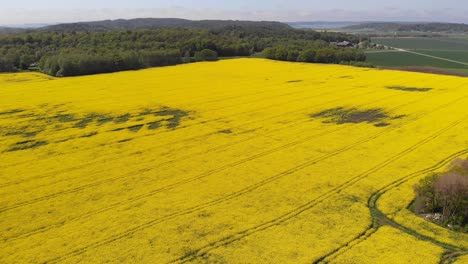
column 322, row 25
column 25, row 25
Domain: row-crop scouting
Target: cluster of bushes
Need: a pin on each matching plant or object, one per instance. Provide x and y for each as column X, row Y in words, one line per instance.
column 445, row 194
column 317, row 53
column 85, row 52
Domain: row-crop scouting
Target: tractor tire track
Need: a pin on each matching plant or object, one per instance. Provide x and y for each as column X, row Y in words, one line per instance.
column 133, row 199
column 171, row 186
column 280, row 219
column 182, row 127
column 451, row 257
column 212, row 120
column 50, row 174
column 292, row 214
column 377, row 214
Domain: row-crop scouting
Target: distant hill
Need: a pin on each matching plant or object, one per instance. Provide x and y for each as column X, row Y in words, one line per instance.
column 10, row 30
column 26, row 26
column 155, row 23
column 321, row 24
column 408, row 27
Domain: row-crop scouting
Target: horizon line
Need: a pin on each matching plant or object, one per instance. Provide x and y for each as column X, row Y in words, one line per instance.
column 44, row 24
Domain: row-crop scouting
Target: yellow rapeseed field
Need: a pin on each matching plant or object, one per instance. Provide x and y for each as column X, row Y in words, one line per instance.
column 236, row 161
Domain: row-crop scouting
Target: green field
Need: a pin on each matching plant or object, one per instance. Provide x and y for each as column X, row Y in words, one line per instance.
column 461, row 56
column 455, row 49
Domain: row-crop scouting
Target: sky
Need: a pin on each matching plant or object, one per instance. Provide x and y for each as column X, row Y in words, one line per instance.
column 61, row 11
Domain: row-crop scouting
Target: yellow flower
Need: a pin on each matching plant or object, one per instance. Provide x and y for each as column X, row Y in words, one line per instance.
column 237, row 161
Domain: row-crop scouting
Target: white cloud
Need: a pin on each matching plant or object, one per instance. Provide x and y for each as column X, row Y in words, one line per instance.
column 26, row 16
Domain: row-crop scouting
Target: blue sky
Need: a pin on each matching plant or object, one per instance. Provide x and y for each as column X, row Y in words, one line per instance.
column 53, row 11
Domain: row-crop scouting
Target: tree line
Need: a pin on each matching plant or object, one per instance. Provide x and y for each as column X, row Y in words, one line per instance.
column 319, row 52
column 89, row 52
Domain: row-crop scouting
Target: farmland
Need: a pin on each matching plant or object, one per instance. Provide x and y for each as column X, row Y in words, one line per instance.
column 414, row 43
column 235, row 161
column 442, row 51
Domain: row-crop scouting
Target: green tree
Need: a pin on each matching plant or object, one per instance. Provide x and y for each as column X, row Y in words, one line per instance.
column 206, row 55
column 307, row 55
column 26, row 61
column 281, row 54
column 269, row 53
column 293, row 55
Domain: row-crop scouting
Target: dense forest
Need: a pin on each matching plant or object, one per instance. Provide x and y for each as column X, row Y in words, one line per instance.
column 140, row 23
column 100, row 47
column 157, row 23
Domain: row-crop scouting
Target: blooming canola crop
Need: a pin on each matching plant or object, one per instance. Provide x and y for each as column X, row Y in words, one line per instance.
column 236, row 161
